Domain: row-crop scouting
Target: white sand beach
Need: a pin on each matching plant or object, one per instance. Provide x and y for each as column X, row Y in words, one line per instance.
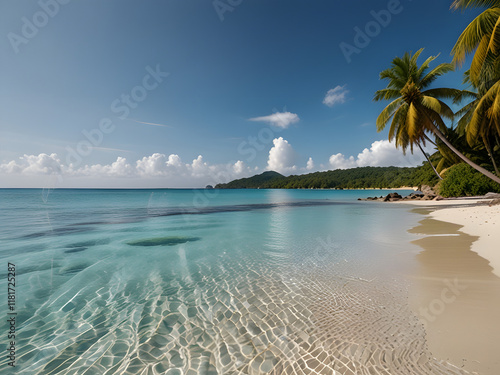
column 477, row 218
column 456, row 285
column 482, row 221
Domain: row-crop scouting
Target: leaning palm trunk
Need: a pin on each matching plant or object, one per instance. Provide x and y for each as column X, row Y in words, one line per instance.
column 441, row 136
column 490, row 153
column 429, row 161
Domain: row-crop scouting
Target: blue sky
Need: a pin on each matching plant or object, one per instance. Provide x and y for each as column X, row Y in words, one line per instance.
column 245, row 90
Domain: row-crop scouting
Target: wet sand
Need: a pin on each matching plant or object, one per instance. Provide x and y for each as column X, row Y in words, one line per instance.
column 455, row 293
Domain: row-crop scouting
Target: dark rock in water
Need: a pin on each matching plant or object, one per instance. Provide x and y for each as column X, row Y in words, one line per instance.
column 392, row 197
column 370, row 199
column 209, row 187
column 163, row 241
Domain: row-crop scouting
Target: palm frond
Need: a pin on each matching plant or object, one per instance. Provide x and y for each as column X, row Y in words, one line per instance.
column 472, row 128
column 431, row 103
column 446, row 111
column 413, row 122
column 465, row 115
column 464, row 4
column 435, row 73
column 443, row 93
column 464, row 95
column 435, row 118
column 387, row 113
column 494, row 44
column 494, row 110
column 398, row 121
column 474, row 33
column 479, row 58
column 386, row 94
column 425, row 65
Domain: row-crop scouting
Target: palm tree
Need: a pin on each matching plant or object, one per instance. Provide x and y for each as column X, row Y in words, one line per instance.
column 481, row 118
column 475, row 123
column 445, row 158
column 482, row 36
column 415, row 109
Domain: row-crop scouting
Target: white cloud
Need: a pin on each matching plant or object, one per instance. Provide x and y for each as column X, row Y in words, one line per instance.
column 119, row 168
column 33, row 164
column 279, row 119
column 199, row 167
column 174, row 161
column 154, row 170
column 310, row 164
column 334, row 96
column 339, row 161
column 160, row 170
column 154, row 165
column 10, row 167
column 282, row 157
column 239, row 167
column 381, row 154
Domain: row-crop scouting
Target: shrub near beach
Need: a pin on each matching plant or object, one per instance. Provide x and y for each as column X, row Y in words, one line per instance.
column 462, row 180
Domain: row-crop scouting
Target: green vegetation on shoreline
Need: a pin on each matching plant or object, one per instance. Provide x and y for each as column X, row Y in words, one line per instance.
column 355, row 178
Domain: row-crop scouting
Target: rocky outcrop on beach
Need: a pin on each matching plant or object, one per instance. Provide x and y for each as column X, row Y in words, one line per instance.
column 495, row 199
column 425, row 193
column 428, row 191
column 392, row 197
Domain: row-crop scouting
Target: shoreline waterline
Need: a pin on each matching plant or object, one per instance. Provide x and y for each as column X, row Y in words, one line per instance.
column 455, row 291
column 475, row 217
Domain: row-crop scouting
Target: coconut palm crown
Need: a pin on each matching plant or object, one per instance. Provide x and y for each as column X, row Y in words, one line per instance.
column 415, row 109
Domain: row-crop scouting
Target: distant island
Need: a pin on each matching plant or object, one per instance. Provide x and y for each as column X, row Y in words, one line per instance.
column 355, row 178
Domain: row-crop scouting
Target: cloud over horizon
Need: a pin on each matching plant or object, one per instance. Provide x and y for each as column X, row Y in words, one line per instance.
column 157, row 167
column 380, row 154
column 282, row 157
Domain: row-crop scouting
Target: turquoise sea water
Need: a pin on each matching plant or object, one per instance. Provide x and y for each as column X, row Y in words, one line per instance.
column 208, row 282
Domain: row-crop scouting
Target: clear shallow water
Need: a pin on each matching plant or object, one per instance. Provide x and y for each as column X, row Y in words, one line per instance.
column 209, row 282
